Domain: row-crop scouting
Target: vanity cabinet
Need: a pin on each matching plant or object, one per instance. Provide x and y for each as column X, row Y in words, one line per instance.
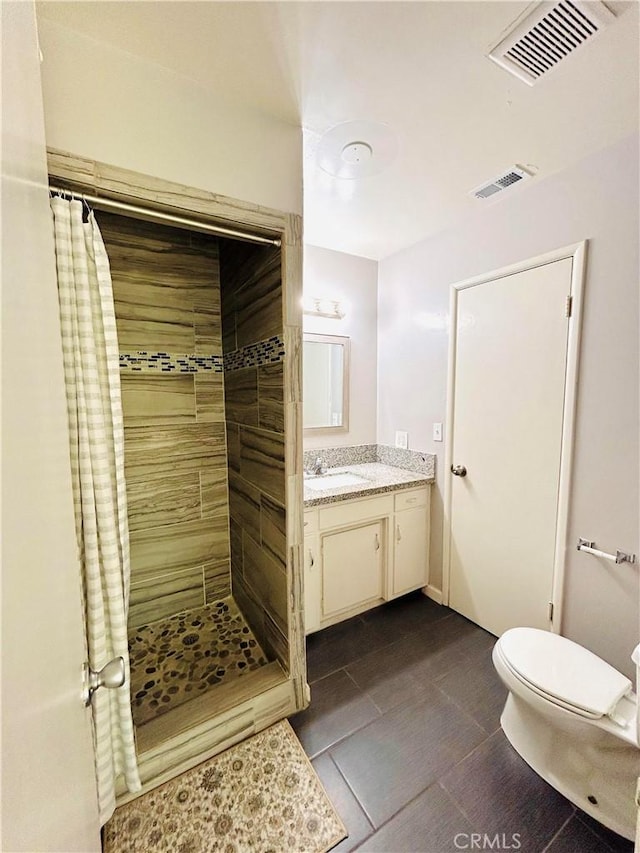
column 362, row 552
column 352, row 568
column 411, row 541
column 312, row 575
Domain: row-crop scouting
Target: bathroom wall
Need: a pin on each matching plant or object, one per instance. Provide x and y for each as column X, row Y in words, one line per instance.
column 166, row 284
column 354, row 281
column 253, row 343
column 110, row 106
column 595, row 199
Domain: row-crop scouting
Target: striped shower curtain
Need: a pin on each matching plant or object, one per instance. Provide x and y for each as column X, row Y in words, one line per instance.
column 90, row 349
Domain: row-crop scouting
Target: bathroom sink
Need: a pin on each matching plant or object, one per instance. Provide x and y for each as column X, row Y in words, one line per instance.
column 322, row 482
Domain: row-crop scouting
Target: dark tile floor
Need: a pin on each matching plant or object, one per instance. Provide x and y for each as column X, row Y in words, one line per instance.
column 404, row 731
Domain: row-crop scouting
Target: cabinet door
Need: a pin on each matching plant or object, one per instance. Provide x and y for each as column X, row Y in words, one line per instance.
column 352, row 567
column 312, row 584
column 410, row 550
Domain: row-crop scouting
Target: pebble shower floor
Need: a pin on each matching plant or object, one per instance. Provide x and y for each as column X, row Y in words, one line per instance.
column 178, row 658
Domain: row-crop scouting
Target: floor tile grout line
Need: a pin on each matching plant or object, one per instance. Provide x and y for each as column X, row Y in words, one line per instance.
column 355, row 796
column 358, row 659
column 436, row 781
column 348, row 735
column 579, row 813
column 556, row 834
column 468, row 716
column 464, row 711
column 385, row 645
column 406, row 805
column 464, row 758
column 345, row 666
column 456, row 803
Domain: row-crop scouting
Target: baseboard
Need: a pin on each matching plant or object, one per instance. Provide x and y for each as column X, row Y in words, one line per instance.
column 433, row 592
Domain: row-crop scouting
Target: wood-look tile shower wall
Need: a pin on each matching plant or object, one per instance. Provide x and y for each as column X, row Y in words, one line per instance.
column 252, row 326
column 166, row 284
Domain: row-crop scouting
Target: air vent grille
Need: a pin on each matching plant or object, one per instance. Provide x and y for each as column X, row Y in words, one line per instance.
column 502, row 182
column 549, row 35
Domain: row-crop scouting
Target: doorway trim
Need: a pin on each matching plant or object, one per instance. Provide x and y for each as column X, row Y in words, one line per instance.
column 275, row 693
column 577, row 252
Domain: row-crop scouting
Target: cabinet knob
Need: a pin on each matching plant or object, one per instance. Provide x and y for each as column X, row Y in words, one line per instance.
column 377, row 540
column 398, row 534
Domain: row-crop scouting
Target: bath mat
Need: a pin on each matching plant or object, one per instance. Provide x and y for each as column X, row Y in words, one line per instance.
column 262, row 795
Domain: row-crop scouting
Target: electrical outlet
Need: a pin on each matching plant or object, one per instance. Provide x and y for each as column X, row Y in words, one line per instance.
column 437, row 432
column 402, row 439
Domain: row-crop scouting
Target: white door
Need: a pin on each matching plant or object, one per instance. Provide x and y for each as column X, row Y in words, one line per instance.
column 49, row 797
column 508, row 405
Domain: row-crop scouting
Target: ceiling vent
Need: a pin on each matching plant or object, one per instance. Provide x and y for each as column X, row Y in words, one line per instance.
column 548, row 35
column 507, row 179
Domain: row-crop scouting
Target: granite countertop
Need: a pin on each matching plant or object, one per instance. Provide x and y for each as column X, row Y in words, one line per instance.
column 379, row 479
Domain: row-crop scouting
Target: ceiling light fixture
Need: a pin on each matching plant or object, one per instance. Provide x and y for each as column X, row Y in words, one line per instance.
column 357, row 149
column 357, row 152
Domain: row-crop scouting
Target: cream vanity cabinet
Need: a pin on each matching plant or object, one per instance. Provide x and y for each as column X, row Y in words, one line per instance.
column 410, row 533
column 361, row 552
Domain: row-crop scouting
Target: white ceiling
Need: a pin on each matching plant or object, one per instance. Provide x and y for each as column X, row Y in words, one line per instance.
column 418, row 67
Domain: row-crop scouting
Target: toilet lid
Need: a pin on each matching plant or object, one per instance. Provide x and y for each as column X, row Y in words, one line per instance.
column 563, row 670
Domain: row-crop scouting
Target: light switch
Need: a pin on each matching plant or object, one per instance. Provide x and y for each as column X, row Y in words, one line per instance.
column 402, row 439
column 437, row 432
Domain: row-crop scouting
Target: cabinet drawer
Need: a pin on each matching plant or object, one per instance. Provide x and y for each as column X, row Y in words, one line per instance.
column 409, row 500
column 310, row 524
column 346, row 512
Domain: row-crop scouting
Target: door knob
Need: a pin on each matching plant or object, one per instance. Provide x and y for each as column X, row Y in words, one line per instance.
column 111, row 675
column 459, row 470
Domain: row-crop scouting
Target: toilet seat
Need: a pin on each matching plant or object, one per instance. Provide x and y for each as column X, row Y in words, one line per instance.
column 562, row 672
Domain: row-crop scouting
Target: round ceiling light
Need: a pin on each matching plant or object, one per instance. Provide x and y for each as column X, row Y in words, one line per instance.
column 355, row 153
column 356, row 149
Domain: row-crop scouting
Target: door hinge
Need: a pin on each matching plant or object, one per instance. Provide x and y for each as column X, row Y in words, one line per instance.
column 568, row 305
column 551, row 611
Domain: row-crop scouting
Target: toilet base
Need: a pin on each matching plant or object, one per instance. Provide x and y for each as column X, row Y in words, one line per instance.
column 578, row 769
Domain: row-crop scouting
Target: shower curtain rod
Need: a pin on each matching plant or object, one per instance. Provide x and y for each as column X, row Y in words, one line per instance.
column 159, row 216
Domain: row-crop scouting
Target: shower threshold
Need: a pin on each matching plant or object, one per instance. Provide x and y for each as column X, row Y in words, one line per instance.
column 179, row 658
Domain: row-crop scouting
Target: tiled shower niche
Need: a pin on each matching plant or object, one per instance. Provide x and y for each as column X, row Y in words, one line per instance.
column 189, row 467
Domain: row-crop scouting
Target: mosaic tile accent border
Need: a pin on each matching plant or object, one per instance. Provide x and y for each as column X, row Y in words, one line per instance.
column 164, row 362
column 360, row 454
column 270, row 351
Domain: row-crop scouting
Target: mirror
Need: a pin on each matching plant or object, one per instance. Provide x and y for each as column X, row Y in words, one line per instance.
column 325, row 383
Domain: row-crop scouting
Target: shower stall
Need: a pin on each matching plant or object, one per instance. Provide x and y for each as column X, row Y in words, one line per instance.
column 209, row 345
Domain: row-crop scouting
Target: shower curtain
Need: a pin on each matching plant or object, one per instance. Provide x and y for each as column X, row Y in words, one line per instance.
column 91, row 365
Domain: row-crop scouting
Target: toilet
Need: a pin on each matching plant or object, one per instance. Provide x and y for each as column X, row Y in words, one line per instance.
column 574, row 720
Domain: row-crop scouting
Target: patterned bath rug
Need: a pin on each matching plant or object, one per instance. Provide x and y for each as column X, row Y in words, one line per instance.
column 262, row 796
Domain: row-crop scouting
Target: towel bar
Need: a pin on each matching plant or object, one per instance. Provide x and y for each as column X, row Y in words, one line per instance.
column 619, row 557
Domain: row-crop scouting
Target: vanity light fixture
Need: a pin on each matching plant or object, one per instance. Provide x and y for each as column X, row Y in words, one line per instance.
column 329, row 308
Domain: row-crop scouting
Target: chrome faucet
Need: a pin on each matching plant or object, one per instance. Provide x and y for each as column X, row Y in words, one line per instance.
column 318, row 466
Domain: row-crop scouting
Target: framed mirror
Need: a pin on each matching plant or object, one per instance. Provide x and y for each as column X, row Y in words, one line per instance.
column 325, row 370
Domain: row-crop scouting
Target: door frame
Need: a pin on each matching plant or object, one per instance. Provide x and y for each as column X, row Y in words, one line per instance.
column 161, row 755
column 577, row 252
